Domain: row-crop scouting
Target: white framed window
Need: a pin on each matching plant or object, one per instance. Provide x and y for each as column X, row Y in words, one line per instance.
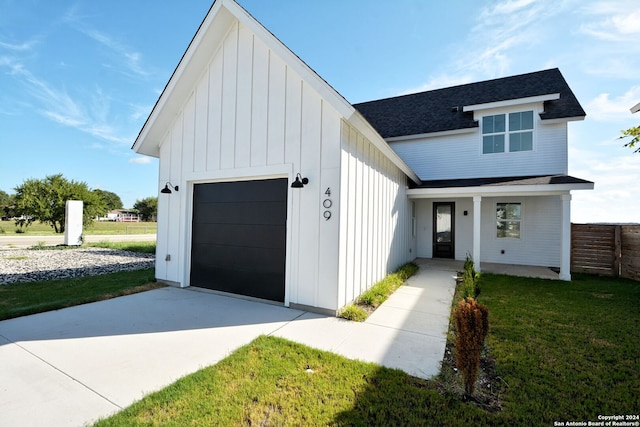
column 508, row 220
column 507, row 132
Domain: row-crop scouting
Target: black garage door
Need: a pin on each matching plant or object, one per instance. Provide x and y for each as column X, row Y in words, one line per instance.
column 239, row 237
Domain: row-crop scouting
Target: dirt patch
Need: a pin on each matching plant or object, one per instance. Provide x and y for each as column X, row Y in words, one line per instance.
column 489, row 386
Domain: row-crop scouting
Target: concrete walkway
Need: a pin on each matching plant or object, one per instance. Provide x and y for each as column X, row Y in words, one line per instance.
column 70, row 367
column 407, row 332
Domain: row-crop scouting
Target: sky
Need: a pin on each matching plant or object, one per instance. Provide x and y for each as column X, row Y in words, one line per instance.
column 78, row 78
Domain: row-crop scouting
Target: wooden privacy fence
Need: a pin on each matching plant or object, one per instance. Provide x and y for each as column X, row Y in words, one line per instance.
column 609, row 250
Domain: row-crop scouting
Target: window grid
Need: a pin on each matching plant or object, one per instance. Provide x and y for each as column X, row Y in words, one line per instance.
column 514, row 134
column 508, row 220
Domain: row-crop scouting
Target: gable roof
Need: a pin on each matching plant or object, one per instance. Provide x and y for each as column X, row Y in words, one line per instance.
column 212, row 30
column 221, row 15
column 433, row 111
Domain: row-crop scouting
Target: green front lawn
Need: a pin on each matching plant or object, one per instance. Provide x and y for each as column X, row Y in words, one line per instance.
column 8, row 228
column 142, row 247
column 568, row 351
column 21, row 299
column 563, row 352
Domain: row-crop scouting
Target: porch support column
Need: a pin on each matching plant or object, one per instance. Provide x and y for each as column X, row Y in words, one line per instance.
column 477, row 205
column 565, row 243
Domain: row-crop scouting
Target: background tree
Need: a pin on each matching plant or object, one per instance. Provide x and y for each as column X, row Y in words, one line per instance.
column 7, row 205
column 111, row 200
column 634, row 134
column 147, row 208
column 44, row 200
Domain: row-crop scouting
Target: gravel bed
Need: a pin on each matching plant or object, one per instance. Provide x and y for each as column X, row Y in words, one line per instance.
column 22, row 265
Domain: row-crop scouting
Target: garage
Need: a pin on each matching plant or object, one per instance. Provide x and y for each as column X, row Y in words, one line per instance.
column 239, row 237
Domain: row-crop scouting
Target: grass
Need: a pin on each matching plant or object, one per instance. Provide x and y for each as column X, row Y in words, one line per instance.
column 275, row 382
column 143, row 247
column 96, row 228
column 21, row 299
column 371, row 299
column 564, row 351
column 16, row 258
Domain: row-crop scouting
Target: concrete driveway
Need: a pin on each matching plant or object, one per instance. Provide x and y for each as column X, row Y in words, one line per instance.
column 72, row 366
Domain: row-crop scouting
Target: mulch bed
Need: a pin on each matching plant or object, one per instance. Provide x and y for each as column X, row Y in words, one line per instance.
column 489, row 386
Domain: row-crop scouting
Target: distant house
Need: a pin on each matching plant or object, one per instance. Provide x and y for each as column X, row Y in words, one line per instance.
column 121, row 215
column 275, row 187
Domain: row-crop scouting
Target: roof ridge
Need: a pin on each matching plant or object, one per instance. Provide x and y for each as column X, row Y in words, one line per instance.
column 460, row 85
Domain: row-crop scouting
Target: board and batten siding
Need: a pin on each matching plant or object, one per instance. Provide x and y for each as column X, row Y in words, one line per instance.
column 250, row 116
column 375, row 216
column 459, row 156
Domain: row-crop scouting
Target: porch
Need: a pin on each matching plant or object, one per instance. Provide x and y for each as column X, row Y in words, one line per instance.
column 499, row 222
column 490, row 267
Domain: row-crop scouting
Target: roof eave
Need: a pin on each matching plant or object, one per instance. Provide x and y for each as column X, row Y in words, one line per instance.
column 502, row 190
column 562, row 119
column 360, row 123
column 434, row 134
column 511, row 102
column 169, row 102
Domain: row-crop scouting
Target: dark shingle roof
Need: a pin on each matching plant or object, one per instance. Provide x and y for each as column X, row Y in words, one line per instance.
column 431, row 111
column 508, row 180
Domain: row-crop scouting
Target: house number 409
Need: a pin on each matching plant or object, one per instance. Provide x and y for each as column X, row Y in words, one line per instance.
column 327, row 203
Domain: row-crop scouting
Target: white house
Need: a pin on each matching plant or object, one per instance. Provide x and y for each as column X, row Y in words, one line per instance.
column 121, row 215
column 492, row 161
column 276, row 187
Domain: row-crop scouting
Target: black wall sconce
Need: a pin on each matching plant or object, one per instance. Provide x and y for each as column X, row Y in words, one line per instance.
column 300, row 182
column 166, row 189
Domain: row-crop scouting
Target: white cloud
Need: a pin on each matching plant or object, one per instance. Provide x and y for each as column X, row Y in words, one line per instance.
column 438, row 82
column 24, row 46
column 140, row 160
column 617, row 183
column 613, row 21
column 139, row 112
column 132, row 59
column 503, row 29
column 605, row 108
column 504, row 8
column 59, row 106
column 129, row 58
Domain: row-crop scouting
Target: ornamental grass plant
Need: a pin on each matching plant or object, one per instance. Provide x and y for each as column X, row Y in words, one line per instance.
column 472, row 326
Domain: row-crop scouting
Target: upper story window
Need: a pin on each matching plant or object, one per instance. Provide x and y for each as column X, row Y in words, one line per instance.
column 507, row 132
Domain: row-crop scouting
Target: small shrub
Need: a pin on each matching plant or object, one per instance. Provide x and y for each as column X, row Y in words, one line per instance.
column 407, row 271
column 472, row 326
column 2, row 230
column 353, row 312
column 378, row 293
column 470, row 279
column 41, row 246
